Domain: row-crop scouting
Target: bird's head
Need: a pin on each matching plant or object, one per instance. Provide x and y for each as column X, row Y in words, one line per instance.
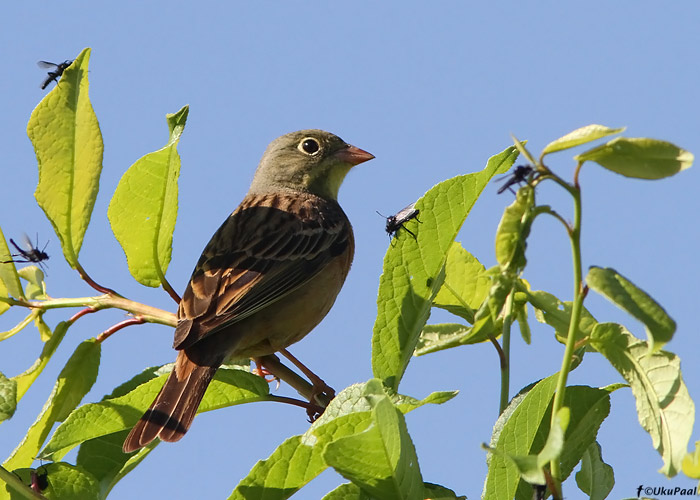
column 312, row 161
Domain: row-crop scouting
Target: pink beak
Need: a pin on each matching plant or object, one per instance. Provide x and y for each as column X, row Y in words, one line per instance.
column 353, row 155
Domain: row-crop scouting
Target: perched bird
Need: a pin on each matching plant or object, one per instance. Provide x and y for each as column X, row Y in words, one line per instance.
column 266, row 278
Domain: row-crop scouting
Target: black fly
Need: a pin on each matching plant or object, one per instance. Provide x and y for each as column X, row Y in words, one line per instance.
column 39, row 480
column 396, row 222
column 28, row 254
column 518, row 176
column 55, row 73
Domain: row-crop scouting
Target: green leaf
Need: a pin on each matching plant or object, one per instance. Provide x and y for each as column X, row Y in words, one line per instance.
column 557, row 314
column 435, row 338
column 520, row 311
column 4, row 306
column 68, row 144
column 36, row 288
column 513, row 435
column 8, row 274
column 691, row 462
column 512, row 231
column 531, row 467
column 580, row 136
column 414, row 269
column 381, row 459
column 27, row 378
column 299, row 459
column 664, row 407
column 502, row 285
column 44, row 330
column 65, row 482
column 639, row 157
column 437, row 492
column 143, row 210
column 291, row 466
column 596, row 478
column 487, row 324
column 229, row 387
column 465, row 286
column 349, row 491
column 524, row 428
column 74, row 381
column 19, row 326
column 8, row 397
column 104, row 459
column 635, row 301
column 520, row 147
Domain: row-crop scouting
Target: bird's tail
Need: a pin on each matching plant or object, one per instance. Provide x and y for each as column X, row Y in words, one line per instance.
column 173, row 410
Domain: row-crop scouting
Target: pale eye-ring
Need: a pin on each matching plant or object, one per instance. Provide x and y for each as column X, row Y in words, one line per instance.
column 310, row 146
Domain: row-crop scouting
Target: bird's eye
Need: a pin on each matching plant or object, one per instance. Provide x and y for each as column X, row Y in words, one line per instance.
column 309, row 146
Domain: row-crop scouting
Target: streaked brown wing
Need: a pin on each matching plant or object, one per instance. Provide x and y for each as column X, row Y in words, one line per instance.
column 267, row 248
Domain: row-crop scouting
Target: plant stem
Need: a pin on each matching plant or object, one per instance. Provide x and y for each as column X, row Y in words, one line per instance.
column 86, row 277
column 577, row 306
column 505, row 365
column 148, row 313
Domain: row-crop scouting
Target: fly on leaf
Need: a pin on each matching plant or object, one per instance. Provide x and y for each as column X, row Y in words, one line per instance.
column 55, row 73
column 396, row 222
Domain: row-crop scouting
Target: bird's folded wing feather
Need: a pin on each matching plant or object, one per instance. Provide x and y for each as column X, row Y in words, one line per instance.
column 259, row 255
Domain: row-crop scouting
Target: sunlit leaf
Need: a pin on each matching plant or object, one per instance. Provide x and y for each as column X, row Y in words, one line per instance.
column 63, row 482
column 8, row 397
column 414, row 269
column 9, row 280
column 664, row 407
column 580, row 136
column 229, row 387
column 465, row 286
column 381, row 459
column 26, row 379
column 691, row 462
column 143, row 210
column 557, row 314
column 74, row 381
column 531, row 467
column 512, row 231
column 104, row 459
column 640, row 157
column 68, row 144
column 628, row 297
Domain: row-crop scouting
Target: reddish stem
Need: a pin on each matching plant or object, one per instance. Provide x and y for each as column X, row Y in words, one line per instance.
column 501, row 354
column 171, row 292
column 115, row 328
column 86, row 277
column 81, row 313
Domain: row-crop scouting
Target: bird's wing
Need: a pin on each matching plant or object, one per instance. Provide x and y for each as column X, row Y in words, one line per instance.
column 259, row 255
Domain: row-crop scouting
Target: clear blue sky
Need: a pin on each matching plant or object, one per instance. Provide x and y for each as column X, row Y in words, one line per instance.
column 432, row 89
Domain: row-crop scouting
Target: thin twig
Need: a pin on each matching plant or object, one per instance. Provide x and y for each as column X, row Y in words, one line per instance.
column 86, row 277
column 166, row 286
column 81, row 313
column 122, row 324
